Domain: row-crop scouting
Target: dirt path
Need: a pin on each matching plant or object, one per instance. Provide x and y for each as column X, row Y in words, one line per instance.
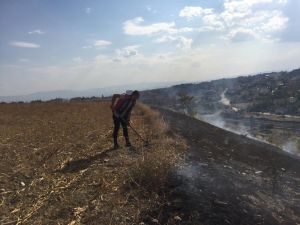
column 230, row 179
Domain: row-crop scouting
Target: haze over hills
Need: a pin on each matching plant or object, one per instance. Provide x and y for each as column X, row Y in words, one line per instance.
column 98, row 92
column 276, row 92
column 265, row 107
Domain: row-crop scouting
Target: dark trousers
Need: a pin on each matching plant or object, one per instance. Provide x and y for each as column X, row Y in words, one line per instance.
column 117, row 122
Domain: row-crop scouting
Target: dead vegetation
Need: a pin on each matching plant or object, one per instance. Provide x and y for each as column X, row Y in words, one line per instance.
column 57, row 166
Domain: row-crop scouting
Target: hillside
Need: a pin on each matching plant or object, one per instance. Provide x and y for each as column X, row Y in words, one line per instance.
column 265, row 106
column 276, row 93
column 57, row 167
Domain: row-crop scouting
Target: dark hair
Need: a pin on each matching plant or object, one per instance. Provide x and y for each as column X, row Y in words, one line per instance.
column 136, row 93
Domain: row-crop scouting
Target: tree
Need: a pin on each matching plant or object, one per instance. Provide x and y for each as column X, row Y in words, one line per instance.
column 187, row 103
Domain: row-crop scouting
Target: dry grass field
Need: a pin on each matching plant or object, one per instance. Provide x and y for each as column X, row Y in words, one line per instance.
column 57, row 165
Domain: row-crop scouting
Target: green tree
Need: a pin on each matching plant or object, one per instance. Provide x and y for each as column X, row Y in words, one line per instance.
column 187, row 103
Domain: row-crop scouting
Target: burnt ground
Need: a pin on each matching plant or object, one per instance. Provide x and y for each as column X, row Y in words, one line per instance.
column 231, row 179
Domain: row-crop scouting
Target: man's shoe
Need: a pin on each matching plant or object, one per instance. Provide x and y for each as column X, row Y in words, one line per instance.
column 116, row 146
column 128, row 144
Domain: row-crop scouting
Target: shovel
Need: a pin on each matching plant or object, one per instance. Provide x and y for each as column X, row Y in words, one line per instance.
column 146, row 142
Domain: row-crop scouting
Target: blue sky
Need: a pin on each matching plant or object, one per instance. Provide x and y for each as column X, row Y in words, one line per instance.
column 80, row 44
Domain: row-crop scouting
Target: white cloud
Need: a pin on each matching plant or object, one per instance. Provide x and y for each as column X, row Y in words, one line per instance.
column 274, row 22
column 235, row 11
column 182, row 42
column 128, row 51
column 134, row 27
column 193, row 65
column 245, row 6
column 185, row 29
column 97, row 44
column 242, row 34
column 190, row 11
column 213, row 22
column 165, row 38
column 88, row 10
column 37, row 31
column 242, row 19
column 20, row 44
column 282, row 1
column 102, row 43
column 263, row 22
column 185, row 43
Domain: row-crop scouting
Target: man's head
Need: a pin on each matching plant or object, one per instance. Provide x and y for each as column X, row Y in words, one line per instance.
column 135, row 94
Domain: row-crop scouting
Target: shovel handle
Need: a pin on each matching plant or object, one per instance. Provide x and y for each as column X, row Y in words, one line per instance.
column 129, row 124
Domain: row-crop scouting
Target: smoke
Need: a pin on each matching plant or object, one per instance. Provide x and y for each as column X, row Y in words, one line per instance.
column 217, row 120
column 224, row 100
column 292, row 146
column 236, row 127
column 188, row 173
column 214, row 119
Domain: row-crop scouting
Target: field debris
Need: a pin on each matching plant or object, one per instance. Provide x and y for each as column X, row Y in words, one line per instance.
column 58, row 167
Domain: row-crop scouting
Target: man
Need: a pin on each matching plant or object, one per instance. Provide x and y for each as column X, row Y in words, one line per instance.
column 121, row 106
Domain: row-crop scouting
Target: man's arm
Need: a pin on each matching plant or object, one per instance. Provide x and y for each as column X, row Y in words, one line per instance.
column 128, row 111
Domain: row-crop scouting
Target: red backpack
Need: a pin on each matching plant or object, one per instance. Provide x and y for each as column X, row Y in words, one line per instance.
column 118, row 101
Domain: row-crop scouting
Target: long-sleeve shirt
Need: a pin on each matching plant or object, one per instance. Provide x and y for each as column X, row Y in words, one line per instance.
column 122, row 105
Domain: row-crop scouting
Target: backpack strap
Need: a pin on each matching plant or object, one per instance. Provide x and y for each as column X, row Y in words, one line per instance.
column 114, row 101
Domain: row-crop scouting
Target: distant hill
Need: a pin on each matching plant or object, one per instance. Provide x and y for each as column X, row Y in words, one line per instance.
column 67, row 94
column 276, row 93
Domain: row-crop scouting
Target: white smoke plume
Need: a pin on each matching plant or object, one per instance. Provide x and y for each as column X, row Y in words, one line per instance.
column 292, row 146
